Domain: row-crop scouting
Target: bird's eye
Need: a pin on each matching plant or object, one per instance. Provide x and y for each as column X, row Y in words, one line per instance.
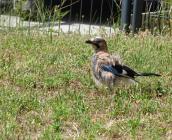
column 99, row 41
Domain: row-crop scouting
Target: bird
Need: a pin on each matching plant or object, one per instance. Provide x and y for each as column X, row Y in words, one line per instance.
column 108, row 70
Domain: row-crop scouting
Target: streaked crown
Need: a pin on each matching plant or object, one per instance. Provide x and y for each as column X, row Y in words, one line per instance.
column 98, row 43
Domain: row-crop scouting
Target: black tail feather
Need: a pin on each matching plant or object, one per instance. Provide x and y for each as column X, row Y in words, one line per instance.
column 132, row 73
column 148, row 74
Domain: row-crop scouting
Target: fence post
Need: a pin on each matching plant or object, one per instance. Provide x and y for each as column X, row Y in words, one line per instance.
column 14, row 4
column 137, row 15
column 91, row 10
column 125, row 15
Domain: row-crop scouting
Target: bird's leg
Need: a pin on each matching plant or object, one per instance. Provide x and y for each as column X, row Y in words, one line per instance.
column 110, row 88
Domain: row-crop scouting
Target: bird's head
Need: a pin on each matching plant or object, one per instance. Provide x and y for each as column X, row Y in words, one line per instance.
column 98, row 43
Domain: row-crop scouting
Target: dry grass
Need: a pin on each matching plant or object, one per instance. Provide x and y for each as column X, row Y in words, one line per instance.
column 47, row 91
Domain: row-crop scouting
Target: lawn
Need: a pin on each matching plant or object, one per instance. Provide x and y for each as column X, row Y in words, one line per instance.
column 46, row 89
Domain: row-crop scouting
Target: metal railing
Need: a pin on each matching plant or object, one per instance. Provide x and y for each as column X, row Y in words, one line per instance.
column 85, row 17
column 159, row 20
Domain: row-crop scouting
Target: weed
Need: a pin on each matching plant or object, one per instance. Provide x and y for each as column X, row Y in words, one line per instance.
column 46, row 89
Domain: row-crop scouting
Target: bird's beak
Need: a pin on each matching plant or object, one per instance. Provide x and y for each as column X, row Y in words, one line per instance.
column 89, row 42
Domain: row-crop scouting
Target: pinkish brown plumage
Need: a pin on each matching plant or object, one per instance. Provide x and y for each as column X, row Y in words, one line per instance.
column 107, row 69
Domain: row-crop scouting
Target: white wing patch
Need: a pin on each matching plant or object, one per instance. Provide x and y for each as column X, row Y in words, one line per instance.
column 124, row 72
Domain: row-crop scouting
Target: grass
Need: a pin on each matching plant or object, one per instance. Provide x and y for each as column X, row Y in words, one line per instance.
column 46, row 90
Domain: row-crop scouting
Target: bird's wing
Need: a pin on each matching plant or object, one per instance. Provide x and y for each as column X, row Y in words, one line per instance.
column 116, row 59
column 116, row 70
column 106, row 64
column 119, row 71
column 126, row 70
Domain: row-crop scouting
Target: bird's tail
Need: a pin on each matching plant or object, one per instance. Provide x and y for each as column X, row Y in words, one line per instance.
column 148, row 74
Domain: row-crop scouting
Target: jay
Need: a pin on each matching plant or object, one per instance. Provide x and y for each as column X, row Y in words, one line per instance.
column 107, row 69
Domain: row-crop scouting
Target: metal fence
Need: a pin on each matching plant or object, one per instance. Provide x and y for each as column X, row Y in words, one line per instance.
column 158, row 18
column 81, row 16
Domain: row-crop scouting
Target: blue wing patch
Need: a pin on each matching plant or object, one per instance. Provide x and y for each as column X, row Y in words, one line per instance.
column 115, row 70
column 111, row 69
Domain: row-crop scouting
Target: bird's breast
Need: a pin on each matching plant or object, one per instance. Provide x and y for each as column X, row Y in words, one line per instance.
column 95, row 68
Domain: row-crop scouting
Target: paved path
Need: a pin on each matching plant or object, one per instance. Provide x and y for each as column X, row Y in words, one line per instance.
column 14, row 21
